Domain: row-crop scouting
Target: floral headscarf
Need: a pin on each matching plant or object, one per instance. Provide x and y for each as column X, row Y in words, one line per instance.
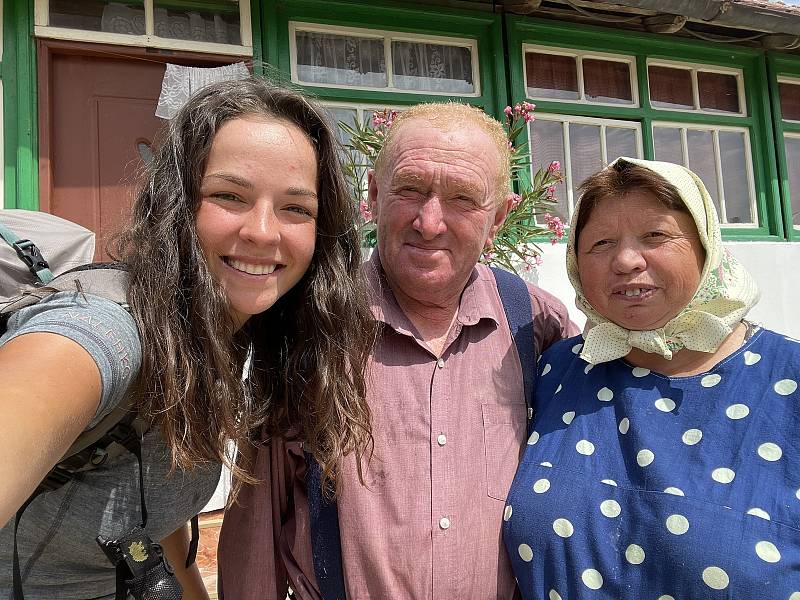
column 725, row 294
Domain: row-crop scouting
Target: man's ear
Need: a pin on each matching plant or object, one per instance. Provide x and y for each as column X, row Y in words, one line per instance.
column 500, row 215
column 372, row 193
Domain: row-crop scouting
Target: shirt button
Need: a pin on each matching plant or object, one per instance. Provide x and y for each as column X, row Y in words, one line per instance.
column 440, row 363
column 444, row 523
column 442, row 439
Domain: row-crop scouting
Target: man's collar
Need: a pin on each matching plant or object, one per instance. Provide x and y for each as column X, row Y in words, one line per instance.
column 478, row 300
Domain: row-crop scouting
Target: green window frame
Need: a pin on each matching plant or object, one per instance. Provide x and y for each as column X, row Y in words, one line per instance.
column 482, row 31
column 783, row 67
column 649, row 49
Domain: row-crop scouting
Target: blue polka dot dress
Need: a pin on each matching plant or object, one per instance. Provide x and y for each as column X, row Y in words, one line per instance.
column 636, row 485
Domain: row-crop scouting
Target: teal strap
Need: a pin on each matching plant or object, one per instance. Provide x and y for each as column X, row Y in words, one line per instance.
column 27, row 252
column 9, row 236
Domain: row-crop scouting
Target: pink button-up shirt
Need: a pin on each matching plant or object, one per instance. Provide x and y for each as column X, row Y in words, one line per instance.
column 448, row 435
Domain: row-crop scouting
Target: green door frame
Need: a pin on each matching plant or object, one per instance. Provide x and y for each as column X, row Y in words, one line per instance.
column 21, row 148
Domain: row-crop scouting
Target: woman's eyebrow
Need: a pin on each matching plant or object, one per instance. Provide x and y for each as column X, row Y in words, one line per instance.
column 231, row 178
column 301, row 191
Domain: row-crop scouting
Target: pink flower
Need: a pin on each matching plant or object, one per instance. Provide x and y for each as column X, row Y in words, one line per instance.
column 366, row 213
column 555, row 226
column 383, row 118
column 515, row 200
column 524, row 110
column 508, row 110
column 554, row 167
column 538, row 260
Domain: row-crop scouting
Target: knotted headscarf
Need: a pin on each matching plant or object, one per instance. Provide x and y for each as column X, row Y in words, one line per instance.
column 725, row 293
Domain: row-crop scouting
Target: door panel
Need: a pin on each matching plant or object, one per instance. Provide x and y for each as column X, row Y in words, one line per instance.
column 102, row 108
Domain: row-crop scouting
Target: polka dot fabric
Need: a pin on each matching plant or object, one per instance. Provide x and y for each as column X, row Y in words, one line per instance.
column 645, row 486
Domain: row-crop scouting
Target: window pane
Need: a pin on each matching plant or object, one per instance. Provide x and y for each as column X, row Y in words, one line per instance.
column 340, row 59
column 701, row 160
column 348, row 116
column 432, row 67
column 584, row 153
column 670, row 88
column 620, row 141
column 790, row 100
column 219, row 23
column 98, row 15
column 547, row 145
column 793, row 163
column 718, row 92
column 667, row 142
column 607, row 81
column 551, row 76
column 734, row 158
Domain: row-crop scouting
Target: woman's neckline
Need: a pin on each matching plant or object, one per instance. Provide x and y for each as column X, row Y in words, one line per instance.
column 690, row 363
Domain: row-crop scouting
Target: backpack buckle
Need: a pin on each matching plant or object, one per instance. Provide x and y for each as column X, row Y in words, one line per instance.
column 30, row 254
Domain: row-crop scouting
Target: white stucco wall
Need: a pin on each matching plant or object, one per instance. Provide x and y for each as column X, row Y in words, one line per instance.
column 774, row 265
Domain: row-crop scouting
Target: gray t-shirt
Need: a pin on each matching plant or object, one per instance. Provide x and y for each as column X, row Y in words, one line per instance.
column 59, row 557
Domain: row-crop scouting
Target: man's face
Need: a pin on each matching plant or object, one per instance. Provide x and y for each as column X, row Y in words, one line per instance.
column 435, row 206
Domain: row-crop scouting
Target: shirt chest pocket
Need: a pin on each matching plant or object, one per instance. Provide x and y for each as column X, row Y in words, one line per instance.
column 503, row 437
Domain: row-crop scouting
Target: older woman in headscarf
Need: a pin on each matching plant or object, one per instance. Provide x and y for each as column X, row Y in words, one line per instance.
column 663, row 461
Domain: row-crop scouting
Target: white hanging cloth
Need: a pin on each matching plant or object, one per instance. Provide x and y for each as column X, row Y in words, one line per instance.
column 181, row 82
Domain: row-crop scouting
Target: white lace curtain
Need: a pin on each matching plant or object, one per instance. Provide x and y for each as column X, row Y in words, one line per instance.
column 356, row 61
column 340, row 60
column 207, row 27
column 432, row 67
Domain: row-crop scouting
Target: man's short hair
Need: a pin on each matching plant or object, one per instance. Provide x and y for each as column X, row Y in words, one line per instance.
column 447, row 116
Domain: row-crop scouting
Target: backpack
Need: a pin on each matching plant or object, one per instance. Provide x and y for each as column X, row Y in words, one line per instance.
column 26, row 278
column 64, row 243
column 324, row 514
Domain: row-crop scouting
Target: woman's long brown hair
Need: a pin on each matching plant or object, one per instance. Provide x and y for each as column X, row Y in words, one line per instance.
column 307, row 352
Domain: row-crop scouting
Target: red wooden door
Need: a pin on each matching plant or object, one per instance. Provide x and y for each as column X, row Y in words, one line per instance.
column 97, row 116
column 102, row 111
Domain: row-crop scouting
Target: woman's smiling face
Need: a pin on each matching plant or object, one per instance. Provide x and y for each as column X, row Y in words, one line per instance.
column 639, row 262
column 258, row 209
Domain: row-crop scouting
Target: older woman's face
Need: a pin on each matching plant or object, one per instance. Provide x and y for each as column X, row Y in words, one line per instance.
column 639, row 262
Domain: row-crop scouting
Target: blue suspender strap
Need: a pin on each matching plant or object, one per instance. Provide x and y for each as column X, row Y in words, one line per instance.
column 326, row 542
column 28, row 253
column 517, row 305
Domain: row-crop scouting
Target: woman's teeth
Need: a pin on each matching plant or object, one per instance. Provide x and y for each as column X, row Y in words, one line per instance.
column 250, row 268
column 634, row 292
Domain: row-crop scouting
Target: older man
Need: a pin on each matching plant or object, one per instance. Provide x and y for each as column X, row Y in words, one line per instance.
column 446, row 388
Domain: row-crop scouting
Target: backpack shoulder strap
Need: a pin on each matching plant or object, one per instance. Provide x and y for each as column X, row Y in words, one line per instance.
column 326, row 540
column 517, row 305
